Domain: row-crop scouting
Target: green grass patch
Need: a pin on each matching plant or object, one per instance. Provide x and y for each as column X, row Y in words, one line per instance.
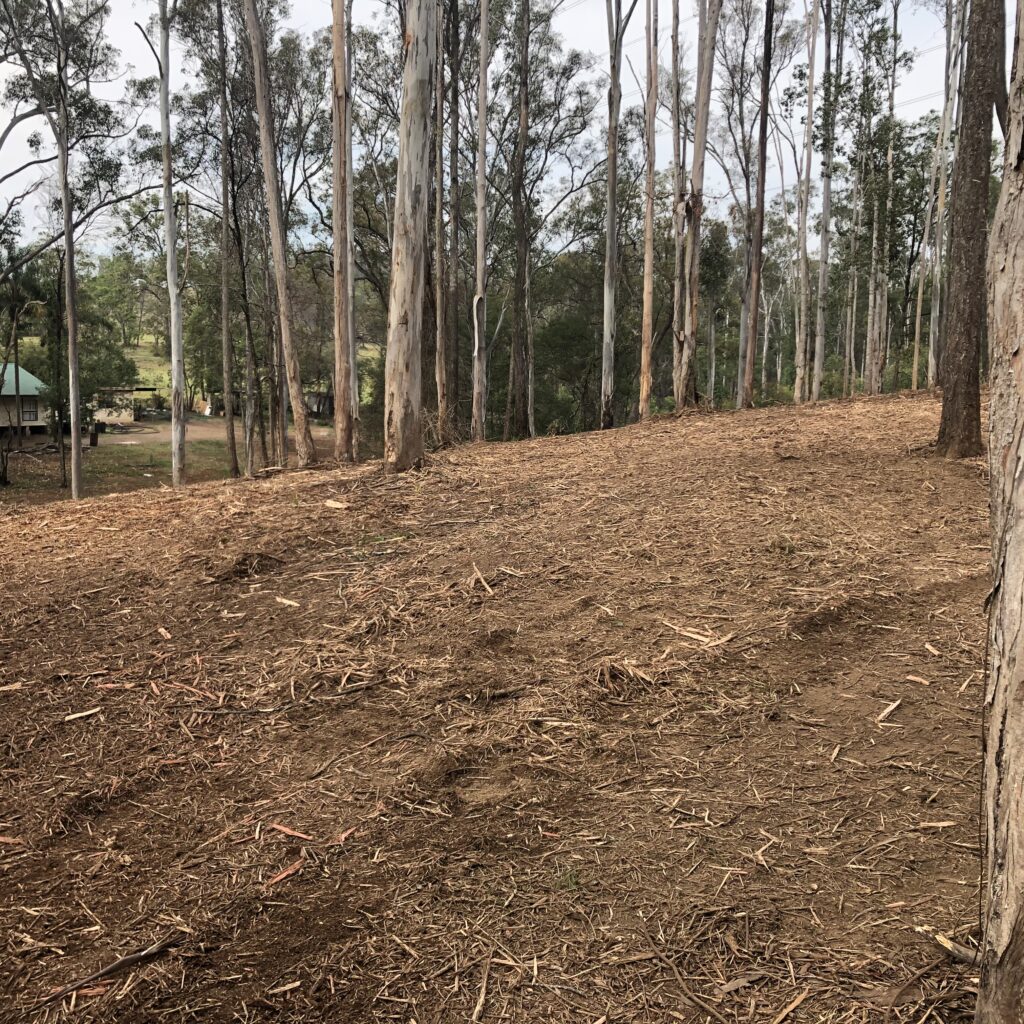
column 112, row 469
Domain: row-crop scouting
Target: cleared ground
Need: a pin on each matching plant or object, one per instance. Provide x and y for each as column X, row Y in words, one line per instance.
column 677, row 722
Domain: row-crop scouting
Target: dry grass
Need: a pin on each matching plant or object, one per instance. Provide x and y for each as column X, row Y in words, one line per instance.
column 678, row 722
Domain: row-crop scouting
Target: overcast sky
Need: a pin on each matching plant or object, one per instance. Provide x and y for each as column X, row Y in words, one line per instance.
column 582, row 23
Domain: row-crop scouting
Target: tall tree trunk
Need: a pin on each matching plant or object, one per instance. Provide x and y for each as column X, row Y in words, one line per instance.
column 304, row 446
column 1001, row 994
column 954, row 39
column 922, row 273
column 442, row 342
column 403, row 433
column 709, row 11
column 650, row 127
column 344, row 349
column 871, row 333
column 711, row 360
column 880, row 348
column 800, row 387
column 518, row 424
column 851, row 335
column 455, row 209
column 616, row 30
column 678, row 216
column 922, row 269
column 757, row 241
column 178, row 413
column 960, row 425
column 61, row 135
column 529, row 348
column 833, row 82
column 479, row 425
column 764, row 348
column 350, row 217
column 227, row 348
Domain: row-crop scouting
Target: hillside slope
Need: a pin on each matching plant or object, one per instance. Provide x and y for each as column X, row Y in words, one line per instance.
column 677, row 722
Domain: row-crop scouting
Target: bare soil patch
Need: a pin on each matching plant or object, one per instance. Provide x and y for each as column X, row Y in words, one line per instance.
column 678, row 722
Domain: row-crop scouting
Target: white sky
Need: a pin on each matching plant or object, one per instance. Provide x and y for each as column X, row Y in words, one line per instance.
column 582, row 24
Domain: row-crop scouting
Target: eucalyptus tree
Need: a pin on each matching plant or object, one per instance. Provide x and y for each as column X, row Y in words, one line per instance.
column 345, row 401
column 960, row 424
column 831, row 94
column 403, row 434
column 745, row 372
column 167, row 12
column 304, row 446
column 650, row 124
column 1001, row 993
column 617, row 25
column 679, row 137
column 708, row 15
column 804, row 201
column 60, row 50
column 518, row 422
column 479, row 423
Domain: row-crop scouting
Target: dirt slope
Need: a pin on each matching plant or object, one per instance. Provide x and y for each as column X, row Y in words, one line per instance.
column 674, row 723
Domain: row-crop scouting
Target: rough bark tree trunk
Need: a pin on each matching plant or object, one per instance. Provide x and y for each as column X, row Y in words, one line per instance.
column 1001, row 994
column 960, row 425
column 403, row 433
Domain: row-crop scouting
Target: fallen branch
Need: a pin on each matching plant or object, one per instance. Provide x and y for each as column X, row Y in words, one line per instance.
column 960, row 953
column 123, row 964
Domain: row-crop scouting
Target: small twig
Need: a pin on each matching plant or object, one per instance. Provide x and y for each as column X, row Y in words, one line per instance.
column 915, row 977
column 479, row 576
column 115, row 968
column 482, row 998
column 787, row 1010
column 687, row 991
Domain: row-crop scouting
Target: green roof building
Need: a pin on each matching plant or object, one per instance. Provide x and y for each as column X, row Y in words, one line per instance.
column 33, row 408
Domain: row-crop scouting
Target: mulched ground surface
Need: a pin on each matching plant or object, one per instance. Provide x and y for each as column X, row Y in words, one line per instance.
column 674, row 723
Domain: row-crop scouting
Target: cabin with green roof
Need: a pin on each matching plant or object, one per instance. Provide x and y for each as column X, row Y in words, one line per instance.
column 19, row 387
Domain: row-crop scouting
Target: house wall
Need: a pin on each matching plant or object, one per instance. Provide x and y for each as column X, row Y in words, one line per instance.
column 9, row 414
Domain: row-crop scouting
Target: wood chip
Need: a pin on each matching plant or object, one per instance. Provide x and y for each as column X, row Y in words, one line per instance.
column 888, row 711
column 290, row 987
column 81, row 714
column 290, row 831
column 294, row 868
